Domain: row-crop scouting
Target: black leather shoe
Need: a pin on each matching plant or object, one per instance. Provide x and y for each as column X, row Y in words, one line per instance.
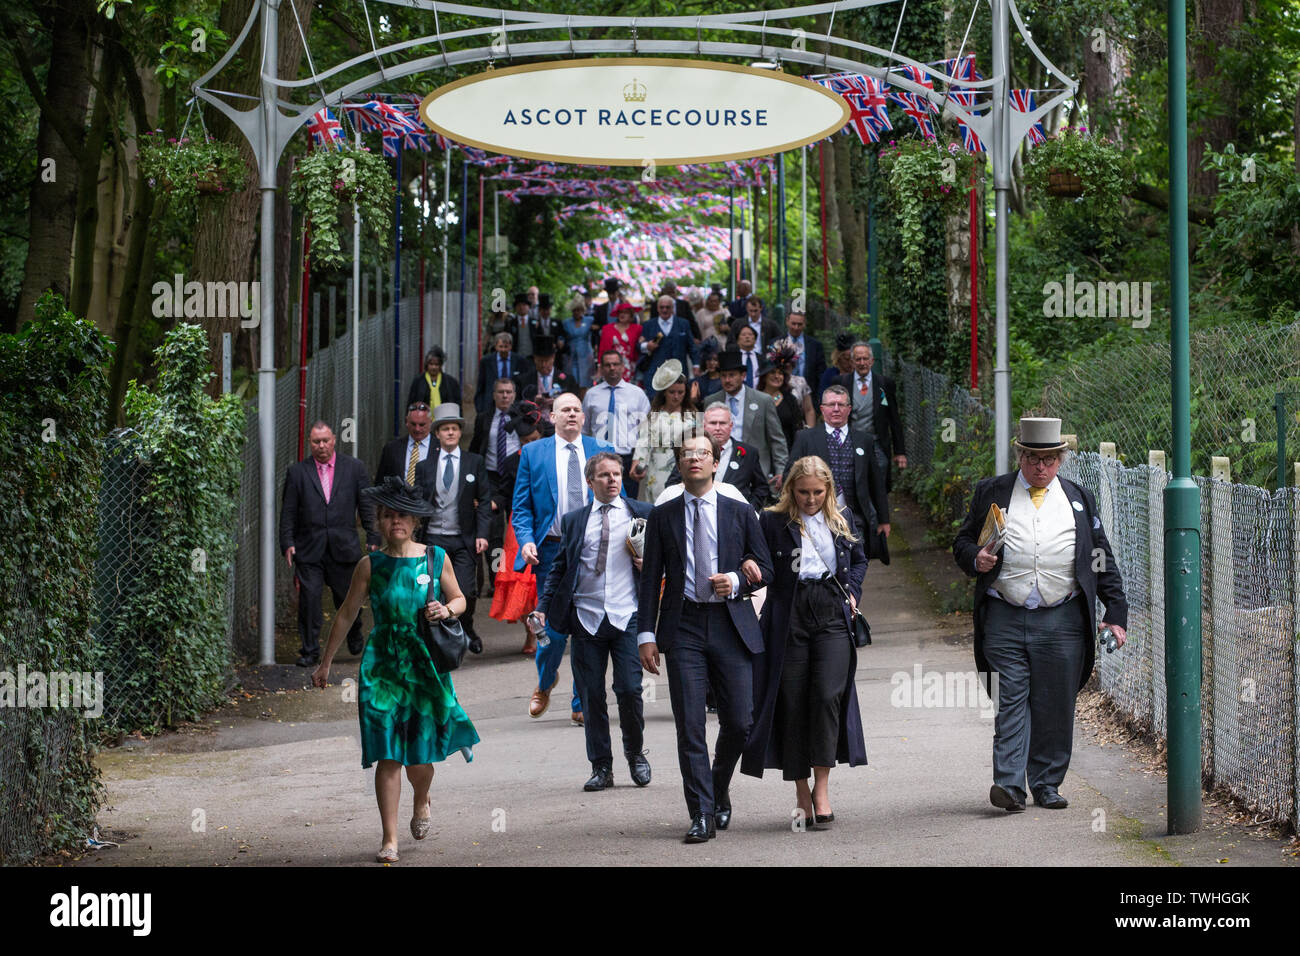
column 722, row 811
column 702, row 829
column 601, row 779
column 1049, row 799
column 309, row 660
column 1004, row 798
column 476, row 645
column 640, row 768
column 356, row 643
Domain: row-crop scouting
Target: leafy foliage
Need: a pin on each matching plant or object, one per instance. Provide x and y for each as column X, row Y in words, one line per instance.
column 53, row 393
column 922, row 173
column 326, row 182
column 1106, row 177
column 185, row 168
column 174, row 619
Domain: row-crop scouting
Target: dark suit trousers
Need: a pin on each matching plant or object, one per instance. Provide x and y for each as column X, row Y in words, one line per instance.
column 590, row 654
column 496, row 542
column 707, row 651
column 312, row 579
column 462, row 561
column 813, row 676
column 631, row 484
column 1037, row 656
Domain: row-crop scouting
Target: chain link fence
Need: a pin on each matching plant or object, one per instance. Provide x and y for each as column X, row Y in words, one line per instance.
column 1250, row 555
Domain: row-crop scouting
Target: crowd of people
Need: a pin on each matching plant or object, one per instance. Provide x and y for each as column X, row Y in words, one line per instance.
column 698, row 485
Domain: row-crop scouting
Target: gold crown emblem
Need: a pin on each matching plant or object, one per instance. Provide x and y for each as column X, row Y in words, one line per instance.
column 634, row 92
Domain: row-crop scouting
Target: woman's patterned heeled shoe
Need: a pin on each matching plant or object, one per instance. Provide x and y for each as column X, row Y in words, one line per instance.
column 420, row 825
column 386, row 855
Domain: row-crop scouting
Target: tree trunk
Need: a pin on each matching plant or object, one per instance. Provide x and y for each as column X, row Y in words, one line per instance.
column 851, row 230
column 1218, row 23
column 89, row 166
column 59, row 139
column 226, row 234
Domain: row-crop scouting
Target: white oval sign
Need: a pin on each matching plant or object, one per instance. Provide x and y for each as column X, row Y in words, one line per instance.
column 634, row 111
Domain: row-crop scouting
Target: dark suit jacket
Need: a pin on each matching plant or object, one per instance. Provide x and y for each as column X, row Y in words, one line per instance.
column 448, row 390
column 482, row 428
column 392, row 460
column 744, row 471
column 868, row 484
column 487, row 376
column 766, row 742
column 814, row 365
column 473, row 493
column 1088, row 535
column 557, row 595
column 503, row 489
column 884, row 412
column 678, row 344
column 556, row 333
column 739, row 538
column 313, row 528
column 526, row 383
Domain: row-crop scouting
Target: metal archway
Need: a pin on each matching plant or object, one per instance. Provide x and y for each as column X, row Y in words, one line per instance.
column 269, row 126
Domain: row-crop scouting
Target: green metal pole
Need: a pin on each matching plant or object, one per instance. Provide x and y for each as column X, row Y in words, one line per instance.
column 873, row 289
column 1182, row 498
column 1279, row 412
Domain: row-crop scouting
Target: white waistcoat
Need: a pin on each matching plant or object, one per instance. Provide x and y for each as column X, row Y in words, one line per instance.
column 1039, row 548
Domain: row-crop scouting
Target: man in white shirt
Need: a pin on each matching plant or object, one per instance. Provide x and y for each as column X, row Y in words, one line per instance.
column 753, row 417
column 591, row 593
column 613, row 410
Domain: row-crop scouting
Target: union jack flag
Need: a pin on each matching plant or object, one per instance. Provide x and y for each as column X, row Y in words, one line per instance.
column 1023, row 101
column 920, row 77
column 861, row 119
column 969, row 138
column 962, row 68
column 325, row 128
column 917, row 110
column 364, row 118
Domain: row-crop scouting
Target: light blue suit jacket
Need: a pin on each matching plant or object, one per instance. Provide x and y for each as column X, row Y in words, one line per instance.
column 536, row 492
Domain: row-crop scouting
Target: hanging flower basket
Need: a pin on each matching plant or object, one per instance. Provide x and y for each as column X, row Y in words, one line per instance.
column 1064, row 183
column 923, row 173
column 184, row 169
column 326, row 183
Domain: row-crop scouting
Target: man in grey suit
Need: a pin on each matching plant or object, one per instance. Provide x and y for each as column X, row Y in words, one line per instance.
column 753, row 417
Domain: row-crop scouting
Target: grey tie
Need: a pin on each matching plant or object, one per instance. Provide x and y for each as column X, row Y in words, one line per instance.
column 700, row 547
column 603, row 554
column 448, row 475
column 574, row 481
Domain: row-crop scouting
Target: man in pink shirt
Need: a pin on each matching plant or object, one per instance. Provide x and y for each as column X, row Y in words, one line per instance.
column 318, row 533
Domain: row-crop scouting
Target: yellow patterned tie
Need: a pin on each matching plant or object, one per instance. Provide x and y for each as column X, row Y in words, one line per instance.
column 1036, row 496
column 411, row 463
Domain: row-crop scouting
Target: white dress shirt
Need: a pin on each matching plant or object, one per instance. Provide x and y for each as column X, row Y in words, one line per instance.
column 631, row 406
column 512, row 442
column 710, row 506
column 724, row 460
column 737, row 413
column 447, row 518
column 817, row 547
column 562, row 477
column 614, row 592
column 423, row 446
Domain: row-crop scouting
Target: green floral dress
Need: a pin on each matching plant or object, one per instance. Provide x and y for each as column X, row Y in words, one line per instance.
column 408, row 709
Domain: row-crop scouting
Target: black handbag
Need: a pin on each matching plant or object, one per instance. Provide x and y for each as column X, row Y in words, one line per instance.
column 861, row 627
column 446, row 640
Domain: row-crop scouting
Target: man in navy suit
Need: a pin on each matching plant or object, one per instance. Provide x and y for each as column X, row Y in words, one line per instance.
column 591, row 593
column 811, row 363
column 500, row 363
column 708, row 554
column 668, row 336
column 547, row 487
column 318, row 533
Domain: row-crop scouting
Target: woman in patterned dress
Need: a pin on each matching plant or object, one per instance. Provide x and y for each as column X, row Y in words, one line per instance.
column 409, row 713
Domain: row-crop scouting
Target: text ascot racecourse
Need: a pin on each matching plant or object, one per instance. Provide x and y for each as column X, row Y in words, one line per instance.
column 546, row 116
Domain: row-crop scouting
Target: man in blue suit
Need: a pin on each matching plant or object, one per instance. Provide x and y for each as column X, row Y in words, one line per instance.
column 591, row 593
column 709, row 554
column 668, row 336
column 547, row 487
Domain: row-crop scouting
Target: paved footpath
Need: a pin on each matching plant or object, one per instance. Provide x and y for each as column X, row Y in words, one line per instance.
column 276, row 779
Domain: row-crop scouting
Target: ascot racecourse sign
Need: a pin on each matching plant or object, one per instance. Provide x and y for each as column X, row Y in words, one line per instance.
column 632, row 111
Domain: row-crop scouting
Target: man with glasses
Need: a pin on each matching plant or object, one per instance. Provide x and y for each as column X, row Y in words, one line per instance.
column 667, row 336
column 402, row 456
column 1035, row 612
column 859, row 479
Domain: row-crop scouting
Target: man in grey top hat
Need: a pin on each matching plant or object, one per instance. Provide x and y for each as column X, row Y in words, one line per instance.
column 1035, row 611
column 455, row 483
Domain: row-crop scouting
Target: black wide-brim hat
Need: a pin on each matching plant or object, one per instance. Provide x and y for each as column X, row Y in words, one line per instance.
column 543, row 300
column 397, row 495
column 730, row 361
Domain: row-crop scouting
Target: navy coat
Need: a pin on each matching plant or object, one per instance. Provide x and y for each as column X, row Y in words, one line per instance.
column 764, row 747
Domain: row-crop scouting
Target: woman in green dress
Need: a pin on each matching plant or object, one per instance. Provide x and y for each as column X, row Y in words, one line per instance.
column 410, row 716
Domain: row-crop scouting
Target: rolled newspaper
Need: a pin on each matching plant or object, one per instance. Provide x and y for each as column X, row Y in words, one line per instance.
column 636, row 538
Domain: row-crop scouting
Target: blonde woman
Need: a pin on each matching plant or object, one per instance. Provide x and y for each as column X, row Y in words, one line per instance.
column 410, row 716
column 806, row 716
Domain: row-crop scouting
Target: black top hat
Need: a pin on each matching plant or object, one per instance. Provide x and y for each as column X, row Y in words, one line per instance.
column 844, row 341
column 396, row 494
column 730, row 361
column 611, row 285
column 543, row 301
column 543, row 346
column 522, row 297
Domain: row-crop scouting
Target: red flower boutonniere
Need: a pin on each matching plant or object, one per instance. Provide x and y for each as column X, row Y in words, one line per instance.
column 740, row 452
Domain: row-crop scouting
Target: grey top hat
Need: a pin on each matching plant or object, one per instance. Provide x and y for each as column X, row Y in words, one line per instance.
column 1040, row 434
column 448, row 413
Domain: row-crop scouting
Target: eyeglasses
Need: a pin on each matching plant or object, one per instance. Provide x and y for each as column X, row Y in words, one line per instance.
column 1042, row 462
column 696, row 455
column 835, row 405
column 417, row 407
